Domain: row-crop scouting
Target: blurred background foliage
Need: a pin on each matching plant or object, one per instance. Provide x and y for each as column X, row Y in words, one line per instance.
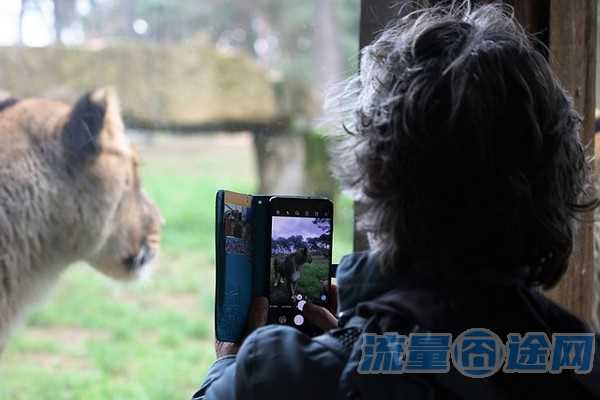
column 257, row 69
column 286, row 35
column 170, row 59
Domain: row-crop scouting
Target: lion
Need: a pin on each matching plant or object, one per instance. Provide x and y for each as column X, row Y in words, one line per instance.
column 69, row 191
column 290, row 269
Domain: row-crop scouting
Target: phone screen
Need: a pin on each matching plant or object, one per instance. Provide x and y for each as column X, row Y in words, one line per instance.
column 300, row 257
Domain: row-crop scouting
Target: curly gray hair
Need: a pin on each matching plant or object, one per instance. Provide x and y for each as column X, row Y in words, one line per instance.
column 463, row 147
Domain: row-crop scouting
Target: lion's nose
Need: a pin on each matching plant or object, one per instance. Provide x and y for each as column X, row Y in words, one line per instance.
column 145, row 256
column 129, row 262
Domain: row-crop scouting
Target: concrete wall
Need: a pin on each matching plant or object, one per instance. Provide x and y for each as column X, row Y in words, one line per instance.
column 186, row 83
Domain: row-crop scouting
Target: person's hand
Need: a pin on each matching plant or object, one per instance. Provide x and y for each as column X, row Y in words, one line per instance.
column 225, row 348
column 257, row 318
column 322, row 317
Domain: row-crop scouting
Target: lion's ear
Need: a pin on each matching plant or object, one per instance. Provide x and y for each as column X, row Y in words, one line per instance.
column 94, row 120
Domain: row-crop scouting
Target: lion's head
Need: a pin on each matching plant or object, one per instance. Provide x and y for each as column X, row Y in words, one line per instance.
column 104, row 168
column 69, row 191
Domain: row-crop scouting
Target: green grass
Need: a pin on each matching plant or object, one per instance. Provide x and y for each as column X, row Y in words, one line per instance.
column 96, row 339
column 312, row 275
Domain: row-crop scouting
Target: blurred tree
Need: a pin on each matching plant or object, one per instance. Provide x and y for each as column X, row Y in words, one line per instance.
column 64, row 13
column 323, row 224
column 325, row 240
column 284, row 34
column 292, row 243
column 130, row 13
column 24, row 4
column 318, row 179
column 287, row 35
column 327, row 57
column 310, row 43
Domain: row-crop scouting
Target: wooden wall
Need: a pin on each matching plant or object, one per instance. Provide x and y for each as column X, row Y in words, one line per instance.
column 572, row 42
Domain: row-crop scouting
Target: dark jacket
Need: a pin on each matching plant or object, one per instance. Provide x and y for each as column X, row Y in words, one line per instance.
column 280, row 362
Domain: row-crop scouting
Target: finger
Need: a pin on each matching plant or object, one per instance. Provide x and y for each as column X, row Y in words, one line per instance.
column 258, row 313
column 320, row 317
column 333, row 299
column 225, row 348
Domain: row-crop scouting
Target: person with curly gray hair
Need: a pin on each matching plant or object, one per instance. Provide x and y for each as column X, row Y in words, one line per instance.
column 464, row 149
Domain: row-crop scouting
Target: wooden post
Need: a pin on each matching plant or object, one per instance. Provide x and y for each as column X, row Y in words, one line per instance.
column 374, row 16
column 572, row 43
column 534, row 15
column 568, row 28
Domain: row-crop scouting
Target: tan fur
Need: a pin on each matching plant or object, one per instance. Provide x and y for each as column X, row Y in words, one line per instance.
column 57, row 207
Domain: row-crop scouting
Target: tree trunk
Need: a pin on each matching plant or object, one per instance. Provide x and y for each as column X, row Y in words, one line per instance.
column 58, row 21
column 326, row 44
column 130, row 16
column 573, row 45
column 64, row 12
column 21, row 17
column 280, row 161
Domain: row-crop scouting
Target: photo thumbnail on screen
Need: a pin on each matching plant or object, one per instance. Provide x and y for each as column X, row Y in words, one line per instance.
column 236, row 225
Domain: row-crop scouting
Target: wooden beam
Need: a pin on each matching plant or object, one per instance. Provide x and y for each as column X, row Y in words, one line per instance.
column 280, row 124
column 572, row 40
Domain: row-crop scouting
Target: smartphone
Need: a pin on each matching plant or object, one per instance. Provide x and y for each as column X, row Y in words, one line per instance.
column 301, row 232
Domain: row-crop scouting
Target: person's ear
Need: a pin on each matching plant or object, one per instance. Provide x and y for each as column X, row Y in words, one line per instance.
column 94, row 119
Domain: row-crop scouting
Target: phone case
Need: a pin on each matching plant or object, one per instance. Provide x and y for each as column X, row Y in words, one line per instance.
column 242, row 243
column 241, row 260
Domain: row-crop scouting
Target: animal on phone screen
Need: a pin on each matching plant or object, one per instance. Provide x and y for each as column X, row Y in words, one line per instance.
column 289, row 270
